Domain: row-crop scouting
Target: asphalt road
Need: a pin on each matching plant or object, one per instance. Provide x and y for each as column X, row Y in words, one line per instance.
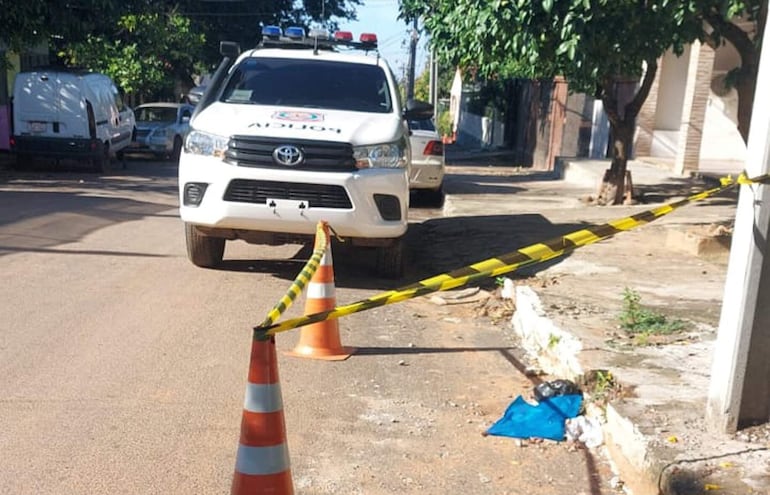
column 124, row 366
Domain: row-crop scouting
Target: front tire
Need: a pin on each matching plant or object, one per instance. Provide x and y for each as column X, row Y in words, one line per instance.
column 390, row 260
column 202, row 250
column 436, row 197
column 99, row 163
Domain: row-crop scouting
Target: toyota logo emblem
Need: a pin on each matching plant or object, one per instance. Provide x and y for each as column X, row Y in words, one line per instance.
column 288, row 155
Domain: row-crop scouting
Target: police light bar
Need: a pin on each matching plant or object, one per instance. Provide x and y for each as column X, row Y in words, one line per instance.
column 368, row 38
column 295, row 32
column 294, row 37
column 321, row 34
column 272, row 32
column 343, row 36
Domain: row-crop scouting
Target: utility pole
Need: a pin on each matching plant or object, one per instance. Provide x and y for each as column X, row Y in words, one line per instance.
column 738, row 393
column 433, row 66
column 412, row 55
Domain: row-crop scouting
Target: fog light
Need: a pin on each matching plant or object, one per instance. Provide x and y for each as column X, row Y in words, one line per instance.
column 193, row 193
column 389, row 206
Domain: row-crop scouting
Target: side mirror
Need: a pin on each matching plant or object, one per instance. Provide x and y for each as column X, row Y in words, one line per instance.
column 229, row 49
column 417, row 110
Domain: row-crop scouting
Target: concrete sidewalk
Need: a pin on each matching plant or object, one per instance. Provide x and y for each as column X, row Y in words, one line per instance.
column 650, row 390
column 655, row 394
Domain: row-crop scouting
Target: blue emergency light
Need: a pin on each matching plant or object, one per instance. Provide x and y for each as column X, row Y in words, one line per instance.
column 295, row 32
column 271, row 31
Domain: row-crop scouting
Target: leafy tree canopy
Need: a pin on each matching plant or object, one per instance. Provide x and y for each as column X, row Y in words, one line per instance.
column 139, row 42
column 594, row 44
column 587, row 41
column 145, row 55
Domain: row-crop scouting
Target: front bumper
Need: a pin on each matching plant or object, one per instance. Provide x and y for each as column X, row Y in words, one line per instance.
column 149, row 145
column 370, row 203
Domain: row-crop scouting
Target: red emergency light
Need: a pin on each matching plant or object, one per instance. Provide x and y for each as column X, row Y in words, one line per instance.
column 343, row 36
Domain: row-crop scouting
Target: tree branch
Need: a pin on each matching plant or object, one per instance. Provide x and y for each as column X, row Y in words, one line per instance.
column 633, row 108
column 736, row 36
column 609, row 101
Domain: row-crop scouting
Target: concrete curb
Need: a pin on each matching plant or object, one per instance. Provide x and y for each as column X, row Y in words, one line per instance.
column 646, row 464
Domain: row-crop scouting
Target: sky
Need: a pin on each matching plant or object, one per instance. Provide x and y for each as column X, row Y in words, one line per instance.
column 381, row 17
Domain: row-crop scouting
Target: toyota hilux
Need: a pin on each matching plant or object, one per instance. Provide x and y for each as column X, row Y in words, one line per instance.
column 298, row 130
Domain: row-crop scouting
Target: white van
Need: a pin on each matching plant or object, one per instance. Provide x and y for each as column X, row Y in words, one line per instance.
column 69, row 114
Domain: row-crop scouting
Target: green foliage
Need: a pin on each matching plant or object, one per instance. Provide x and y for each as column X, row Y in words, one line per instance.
column 444, row 124
column 145, row 56
column 587, row 41
column 603, row 385
column 444, row 85
column 641, row 321
column 146, row 45
column 553, row 340
column 595, row 44
column 422, row 86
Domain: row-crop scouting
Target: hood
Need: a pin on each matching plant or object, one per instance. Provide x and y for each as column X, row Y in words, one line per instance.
column 151, row 125
column 356, row 128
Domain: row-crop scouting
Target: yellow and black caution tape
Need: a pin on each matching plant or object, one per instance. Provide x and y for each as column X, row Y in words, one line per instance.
column 535, row 253
column 321, row 243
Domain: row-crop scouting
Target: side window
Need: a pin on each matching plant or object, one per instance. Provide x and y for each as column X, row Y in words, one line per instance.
column 118, row 99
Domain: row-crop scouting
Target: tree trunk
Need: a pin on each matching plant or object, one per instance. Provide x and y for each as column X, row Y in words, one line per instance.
column 613, row 189
column 746, row 76
column 622, row 117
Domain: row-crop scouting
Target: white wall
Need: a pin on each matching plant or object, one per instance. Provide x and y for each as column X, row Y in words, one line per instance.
column 672, row 85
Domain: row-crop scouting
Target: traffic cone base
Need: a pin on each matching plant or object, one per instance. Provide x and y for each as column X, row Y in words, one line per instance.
column 262, row 463
column 325, row 354
column 321, row 340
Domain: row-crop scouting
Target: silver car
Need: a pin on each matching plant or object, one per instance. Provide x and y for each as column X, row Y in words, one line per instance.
column 161, row 129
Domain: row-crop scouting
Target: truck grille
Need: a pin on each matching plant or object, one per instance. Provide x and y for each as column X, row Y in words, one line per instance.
column 258, row 191
column 320, row 156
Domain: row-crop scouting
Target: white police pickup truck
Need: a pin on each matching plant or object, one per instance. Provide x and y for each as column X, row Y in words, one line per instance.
column 298, row 130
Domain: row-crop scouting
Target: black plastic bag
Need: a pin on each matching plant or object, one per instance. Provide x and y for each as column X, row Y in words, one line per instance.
column 555, row 388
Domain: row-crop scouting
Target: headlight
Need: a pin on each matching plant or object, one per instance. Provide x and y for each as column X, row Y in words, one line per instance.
column 203, row 143
column 388, row 155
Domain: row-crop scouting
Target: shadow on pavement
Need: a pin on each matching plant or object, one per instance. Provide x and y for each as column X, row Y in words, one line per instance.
column 433, row 247
column 64, row 217
column 674, row 188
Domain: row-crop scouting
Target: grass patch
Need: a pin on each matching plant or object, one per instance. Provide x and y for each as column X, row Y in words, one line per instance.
column 642, row 322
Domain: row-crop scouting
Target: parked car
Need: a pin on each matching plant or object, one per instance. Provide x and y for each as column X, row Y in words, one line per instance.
column 161, row 129
column 68, row 113
column 426, row 174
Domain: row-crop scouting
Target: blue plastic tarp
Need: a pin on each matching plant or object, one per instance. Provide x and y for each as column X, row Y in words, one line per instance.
column 542, row 420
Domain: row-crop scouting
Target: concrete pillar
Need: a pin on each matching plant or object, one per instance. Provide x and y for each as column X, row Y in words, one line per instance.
column 645, row 121
column 694, row 108
column 739, row 391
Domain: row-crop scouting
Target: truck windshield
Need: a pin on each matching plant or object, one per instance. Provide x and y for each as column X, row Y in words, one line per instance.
column 309, row 84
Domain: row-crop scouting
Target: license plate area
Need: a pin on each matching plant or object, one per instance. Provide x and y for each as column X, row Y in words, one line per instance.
column 36, row 126
column 287, row 205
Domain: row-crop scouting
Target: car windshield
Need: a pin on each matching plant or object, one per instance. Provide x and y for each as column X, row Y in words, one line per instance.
column 310, row 84
column 156, row 114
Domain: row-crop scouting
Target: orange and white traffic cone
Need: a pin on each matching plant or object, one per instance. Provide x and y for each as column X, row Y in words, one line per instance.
column 262, row 461
column 322, row 340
